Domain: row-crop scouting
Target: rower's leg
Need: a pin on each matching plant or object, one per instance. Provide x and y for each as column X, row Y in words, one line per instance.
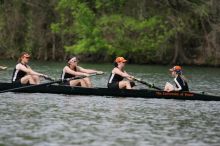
column 124, row 84
column 128, row 85
column 36, row 79
column 168, row 87
column 88, row 82
column 83, row 83
column 75, row 83
column 27, row 79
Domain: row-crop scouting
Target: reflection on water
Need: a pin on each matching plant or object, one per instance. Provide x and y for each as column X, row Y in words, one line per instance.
column 54, row 120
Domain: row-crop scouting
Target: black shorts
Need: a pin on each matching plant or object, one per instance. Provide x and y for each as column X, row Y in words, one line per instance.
column 115, row 85
column 67, row 83
column 132, row 84
column 18, row 83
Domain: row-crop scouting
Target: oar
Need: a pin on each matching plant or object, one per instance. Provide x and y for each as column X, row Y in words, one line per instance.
column 148, row 84
column 3, row 68
column 48, row 78
column 45, row 84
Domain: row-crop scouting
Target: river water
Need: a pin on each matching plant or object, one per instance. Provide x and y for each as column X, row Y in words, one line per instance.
column 64, row 120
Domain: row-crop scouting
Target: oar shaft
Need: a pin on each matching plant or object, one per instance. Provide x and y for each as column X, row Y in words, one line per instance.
column 3, row 67
column 145, row 83
column 45, row 84
column 28, row 86
column 157, row 88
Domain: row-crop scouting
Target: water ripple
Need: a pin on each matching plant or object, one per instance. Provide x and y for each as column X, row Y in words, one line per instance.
column 54, row 120
column 33, row 119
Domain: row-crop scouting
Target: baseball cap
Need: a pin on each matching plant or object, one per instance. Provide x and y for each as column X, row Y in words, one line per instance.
column 176, row 68
column 120, row 59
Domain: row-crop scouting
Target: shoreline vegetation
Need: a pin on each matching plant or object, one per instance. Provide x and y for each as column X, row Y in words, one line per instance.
column 4, row 60
column 183, row 32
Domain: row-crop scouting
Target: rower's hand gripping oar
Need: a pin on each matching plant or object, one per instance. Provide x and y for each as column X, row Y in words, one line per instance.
column 46, row 84
column 48, row 78
column 148, row 84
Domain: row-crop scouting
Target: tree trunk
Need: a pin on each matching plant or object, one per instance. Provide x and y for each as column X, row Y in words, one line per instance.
column 179, row 52
column 176, row 48
column 45, row 55
column 54, row 47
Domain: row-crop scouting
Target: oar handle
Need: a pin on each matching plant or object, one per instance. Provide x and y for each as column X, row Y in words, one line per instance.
column 81, row 77
column 48, row 78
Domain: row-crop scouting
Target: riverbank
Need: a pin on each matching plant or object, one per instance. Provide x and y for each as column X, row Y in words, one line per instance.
column 4, row 60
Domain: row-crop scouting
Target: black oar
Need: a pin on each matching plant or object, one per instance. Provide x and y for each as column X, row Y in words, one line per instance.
column 48, row 78
column 46, row 84
column 29, row 86
column 148, row 84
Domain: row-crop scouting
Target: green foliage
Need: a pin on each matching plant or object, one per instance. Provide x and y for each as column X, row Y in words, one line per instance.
column 109, row 6
column 110, row 34
column 81, row 24
column 128, row 35
column 157, row 30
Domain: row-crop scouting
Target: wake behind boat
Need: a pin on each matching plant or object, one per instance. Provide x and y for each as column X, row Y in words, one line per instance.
column 135, row 93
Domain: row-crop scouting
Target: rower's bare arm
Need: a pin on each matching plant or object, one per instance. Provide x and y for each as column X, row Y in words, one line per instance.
column 28, row 70
column 119, row 72
column 89, row 71
column 38, row 74
column 23, row 68
column 76, row 73
column 129, row 77
column 32, row 72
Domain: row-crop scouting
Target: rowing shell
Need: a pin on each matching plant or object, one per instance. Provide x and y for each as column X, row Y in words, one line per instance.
column 135, row 93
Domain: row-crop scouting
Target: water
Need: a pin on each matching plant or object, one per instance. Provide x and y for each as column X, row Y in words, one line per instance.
column 55, row 120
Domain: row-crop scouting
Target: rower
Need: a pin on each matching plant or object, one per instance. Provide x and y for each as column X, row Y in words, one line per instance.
column 72, row 70
column 179, row 79
column 23, row 74
column 118, row 74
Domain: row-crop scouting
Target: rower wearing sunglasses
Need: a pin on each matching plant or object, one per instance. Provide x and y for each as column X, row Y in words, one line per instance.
column 23, row 74
column 73, row 70
column 116, row 79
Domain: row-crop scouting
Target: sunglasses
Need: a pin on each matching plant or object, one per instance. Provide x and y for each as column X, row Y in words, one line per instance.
column 27, row 57
column 75, row 61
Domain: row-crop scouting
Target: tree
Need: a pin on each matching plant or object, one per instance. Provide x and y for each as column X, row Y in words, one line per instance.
column 108, row 33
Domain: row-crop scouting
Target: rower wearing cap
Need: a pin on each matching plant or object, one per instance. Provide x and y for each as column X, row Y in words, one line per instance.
column 180, row 81
column 72, row 70
column 23, row 74
column 118, row 74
